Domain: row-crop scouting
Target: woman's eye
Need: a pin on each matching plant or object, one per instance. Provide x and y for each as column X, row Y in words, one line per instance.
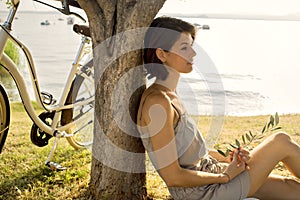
column 184, row 48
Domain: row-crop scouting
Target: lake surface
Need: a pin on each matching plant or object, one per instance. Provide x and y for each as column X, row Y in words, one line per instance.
column 53, row 47
column 242, row 67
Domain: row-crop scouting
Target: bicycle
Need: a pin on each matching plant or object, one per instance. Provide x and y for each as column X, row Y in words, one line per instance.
column 69, row 117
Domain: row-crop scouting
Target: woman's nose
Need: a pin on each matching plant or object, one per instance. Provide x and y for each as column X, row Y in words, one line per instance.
column 193, row 52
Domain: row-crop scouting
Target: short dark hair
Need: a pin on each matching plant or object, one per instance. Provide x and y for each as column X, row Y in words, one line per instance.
column 163, row 33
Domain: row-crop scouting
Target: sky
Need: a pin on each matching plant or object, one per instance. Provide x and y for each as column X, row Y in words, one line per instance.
column 252, row 7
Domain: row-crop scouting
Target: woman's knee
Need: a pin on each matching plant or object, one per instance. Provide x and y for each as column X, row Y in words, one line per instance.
column 281, row 138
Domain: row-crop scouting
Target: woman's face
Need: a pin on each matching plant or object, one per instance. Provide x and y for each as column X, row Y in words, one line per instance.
column 180, row 57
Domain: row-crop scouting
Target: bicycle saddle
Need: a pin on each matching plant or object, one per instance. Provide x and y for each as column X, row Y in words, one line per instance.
column 82, row 29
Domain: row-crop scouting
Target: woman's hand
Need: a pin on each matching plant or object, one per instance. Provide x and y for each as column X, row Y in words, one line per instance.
column 238, row 163
column 243, row 155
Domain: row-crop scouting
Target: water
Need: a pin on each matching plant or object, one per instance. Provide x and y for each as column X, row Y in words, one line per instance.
column 257, row 64
column 53, row 47
column 243, row 67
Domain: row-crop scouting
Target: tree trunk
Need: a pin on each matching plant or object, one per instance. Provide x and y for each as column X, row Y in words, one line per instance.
column 118, row 164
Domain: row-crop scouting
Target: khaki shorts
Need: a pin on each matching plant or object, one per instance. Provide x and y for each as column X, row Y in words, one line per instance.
column 237, row 188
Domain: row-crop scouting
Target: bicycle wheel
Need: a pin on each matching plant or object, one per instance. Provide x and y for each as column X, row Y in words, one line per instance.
column 81, row 96
column 4, row 117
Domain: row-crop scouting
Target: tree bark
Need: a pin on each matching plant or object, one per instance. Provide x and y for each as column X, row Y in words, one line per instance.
column 118, row 164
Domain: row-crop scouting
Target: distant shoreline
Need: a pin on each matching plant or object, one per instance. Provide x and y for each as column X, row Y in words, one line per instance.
column 289, row 17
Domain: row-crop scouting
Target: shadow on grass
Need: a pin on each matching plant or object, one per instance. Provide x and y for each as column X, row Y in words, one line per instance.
column 39, row 182
column 12, row 188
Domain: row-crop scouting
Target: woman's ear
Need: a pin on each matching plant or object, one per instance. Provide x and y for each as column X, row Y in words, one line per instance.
column 161, row 55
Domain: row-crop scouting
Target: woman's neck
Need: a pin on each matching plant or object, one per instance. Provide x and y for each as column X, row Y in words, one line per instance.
column 171, row 81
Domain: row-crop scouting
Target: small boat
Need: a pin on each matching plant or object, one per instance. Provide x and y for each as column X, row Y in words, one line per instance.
column 46, row 22
column 204, row 26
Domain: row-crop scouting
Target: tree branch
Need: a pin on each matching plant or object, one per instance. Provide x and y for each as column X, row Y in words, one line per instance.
column 137, row 18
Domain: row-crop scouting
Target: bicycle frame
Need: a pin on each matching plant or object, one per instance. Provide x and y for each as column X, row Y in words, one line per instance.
column 54, row 129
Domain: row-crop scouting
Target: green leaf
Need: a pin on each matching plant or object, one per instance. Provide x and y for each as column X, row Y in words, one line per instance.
column 238, row 144
column 264, row 129
column 251, row 133
column 227, row 152
column 260, row 137
column 276, row 128
column 243, row 138
column 248, row 137
column 276, row 119
column 271, row 122
column 233, row 146
column 217, row 146
column 221, row 152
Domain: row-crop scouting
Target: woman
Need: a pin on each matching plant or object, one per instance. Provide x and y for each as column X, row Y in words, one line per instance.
column 176, row 147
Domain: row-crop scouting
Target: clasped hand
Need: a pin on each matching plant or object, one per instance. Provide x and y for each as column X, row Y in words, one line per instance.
column 238, row 164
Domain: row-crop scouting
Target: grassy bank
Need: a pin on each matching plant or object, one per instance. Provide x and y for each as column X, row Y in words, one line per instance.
column 24, row 176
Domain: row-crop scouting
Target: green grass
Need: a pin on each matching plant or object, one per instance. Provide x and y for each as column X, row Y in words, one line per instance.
column 12, row 51
column 23, row 174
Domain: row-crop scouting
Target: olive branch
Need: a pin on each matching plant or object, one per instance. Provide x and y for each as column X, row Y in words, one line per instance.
column 249, row 138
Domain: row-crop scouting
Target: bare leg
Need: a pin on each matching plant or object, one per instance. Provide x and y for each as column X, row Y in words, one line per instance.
column 278, row 188
column 276, row 148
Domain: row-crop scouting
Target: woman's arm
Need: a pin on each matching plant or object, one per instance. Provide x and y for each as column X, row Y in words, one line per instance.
column 213, row 153
column 158, row 115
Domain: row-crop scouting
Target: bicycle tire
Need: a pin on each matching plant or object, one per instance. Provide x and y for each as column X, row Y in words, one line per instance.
column 4, row 117
column 81, row 89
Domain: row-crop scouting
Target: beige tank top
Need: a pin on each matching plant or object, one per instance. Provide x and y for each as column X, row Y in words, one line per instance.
column 190, row 145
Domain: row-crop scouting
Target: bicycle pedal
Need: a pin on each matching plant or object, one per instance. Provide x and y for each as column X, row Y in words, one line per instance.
column 55, row 166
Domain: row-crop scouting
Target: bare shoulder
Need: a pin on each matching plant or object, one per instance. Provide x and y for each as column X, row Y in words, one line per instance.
column 155, row 97
column 156, row 102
